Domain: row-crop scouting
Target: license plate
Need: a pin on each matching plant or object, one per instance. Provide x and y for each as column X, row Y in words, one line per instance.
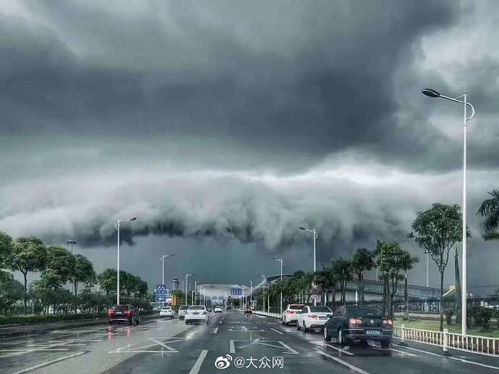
column 195, row 313
column 323, row 317
column 373, row 332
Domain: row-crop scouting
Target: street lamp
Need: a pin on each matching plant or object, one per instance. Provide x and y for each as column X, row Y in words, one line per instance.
column 280, row 261
column 186, row 276
column 263, row 297
column 251, row 293
column 314, row 232
column 461, row 100
column 163, row 261
column 117, row 227
column 194, row 294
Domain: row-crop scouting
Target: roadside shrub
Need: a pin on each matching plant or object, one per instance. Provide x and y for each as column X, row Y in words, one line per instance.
column 481, row 315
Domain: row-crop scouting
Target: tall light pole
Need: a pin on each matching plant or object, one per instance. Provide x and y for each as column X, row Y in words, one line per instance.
column 194, row 294
column 463, row 99
column 186, row 294
column 163, row 262
column 280, row 261
column 427, row 268
column 71, row 243
column 251, row 293
column 117, row 227
column 264, row 286
column 314, row 232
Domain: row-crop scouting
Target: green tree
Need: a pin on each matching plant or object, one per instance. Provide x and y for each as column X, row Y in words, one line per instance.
column 490, row 210
column 11, row 291
column 326, row 280
column 362, row 260
column 28, row 255
column 437, row 230
column 407, row 263
column 61, row 263
column 107, row 281
column 5, row 250
column 83, row 272
column 342, row 268
column 392, row 261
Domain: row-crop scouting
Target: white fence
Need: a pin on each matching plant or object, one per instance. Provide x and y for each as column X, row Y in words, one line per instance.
column 470, row 343
column 267, row 314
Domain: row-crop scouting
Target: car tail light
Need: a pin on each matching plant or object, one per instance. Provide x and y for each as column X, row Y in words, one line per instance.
column 290, row 312
column 129, row 313
column 110, row 312
column 353, row 322
column 388, row 322
column 313, row 316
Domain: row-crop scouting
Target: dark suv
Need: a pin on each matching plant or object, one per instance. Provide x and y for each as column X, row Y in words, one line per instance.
column 123, row 313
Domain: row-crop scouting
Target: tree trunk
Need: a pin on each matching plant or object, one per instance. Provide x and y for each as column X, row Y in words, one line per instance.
column 361, row 291
column 384, row 295
column 441, row 300
column 25, row 274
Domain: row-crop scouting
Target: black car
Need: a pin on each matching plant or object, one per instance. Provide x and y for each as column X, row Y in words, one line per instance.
column 356, row 324
column 123, row 313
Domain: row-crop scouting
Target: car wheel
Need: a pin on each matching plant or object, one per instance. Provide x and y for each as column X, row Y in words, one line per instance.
column 305, row 327
column 137, row 321
column 298, row 326
column 110, row 322
column 385, row 344
column 327, row 337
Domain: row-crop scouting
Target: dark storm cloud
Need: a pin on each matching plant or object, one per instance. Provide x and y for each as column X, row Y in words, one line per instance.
column 282, row 79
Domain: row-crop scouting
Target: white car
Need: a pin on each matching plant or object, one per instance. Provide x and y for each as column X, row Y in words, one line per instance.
column 217, row 309
column 196, row 313
column 182, row 310
column 291, row 313
column 167, row 311
column 313, row 317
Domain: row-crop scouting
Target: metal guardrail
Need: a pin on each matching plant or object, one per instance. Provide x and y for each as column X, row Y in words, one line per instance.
column 267, row 314
column 468, row 343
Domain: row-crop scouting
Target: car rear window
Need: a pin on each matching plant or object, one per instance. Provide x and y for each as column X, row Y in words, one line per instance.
column 196, row 307
column 320, row 309
column 120, row 308
column 184, row 307
column 296, row 307
column 364, row 312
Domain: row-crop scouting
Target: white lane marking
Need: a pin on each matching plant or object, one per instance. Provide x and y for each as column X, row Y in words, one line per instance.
column 350, row 366
column 232, row 349
column 197, row 365
column 277, row 331
column 162, row 344
column 339, row 349
column 215, row 331
column 48, row 363
column 288, row 347
column 403, row 352
column 454, row 358
column 18, row 337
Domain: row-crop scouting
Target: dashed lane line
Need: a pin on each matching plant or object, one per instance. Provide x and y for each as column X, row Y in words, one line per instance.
column 215, row 331
column 344, row 363
column 277, row 331
column 339, row 349
column 197, row 365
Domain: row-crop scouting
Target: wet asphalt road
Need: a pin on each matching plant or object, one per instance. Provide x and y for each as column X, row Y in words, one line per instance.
column 246, row 344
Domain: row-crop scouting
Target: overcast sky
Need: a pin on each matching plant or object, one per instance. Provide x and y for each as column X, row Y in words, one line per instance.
column 225, row 125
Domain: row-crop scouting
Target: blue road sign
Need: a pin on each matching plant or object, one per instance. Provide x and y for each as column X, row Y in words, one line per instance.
column 161, row 298
column 236, row 291
column 161, row 289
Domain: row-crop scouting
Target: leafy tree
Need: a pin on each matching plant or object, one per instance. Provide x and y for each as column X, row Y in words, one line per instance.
column 5, row 250
column 10, row 291
column 61, row 263
column 437, row 230
column 83, row 272
column 362, row 260
column 490, row 210
column 392, row 261
column 107, row 280
column 326, row 280
column 407, row 263
column 342, row 268
column 28, row 255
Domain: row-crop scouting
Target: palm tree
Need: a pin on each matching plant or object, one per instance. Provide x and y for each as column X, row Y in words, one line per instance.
column 490, row 210
column 406, row 265
column 362, row 260
column 343, row 272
